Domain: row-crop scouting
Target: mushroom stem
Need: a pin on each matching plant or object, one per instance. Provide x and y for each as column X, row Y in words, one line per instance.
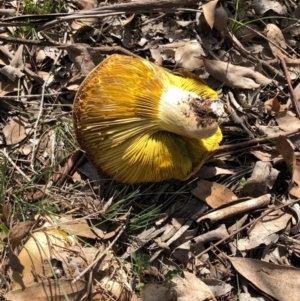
column 188, row 114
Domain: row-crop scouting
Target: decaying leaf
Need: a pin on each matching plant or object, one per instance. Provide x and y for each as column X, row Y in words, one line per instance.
column 235, row 76
column 280, row 282
column 114, row 285
column 214, row 194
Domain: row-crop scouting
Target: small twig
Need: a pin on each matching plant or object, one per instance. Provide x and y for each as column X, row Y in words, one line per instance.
column 261, row 35
column 34, row 96
column 7, row 12
column 68, row 167
column 24, row 41
column 141, row 6
column 236, row 118
column 244, row 227
column 251, row 57
column 5, row 154
column 34, row 150
column 101, row 254
column 256, row 141
column 288, row 79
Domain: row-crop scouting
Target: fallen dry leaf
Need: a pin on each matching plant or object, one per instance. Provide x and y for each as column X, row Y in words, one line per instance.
column 188, row 56
column 265, row 232
column 219, row 288
column 220, row 18
column 156, row 291
column 14, row 69
column 214, row 194
column 262, row 179
column 209, row 12
column 14, row 131
column 192, row 288
column 265, row 155
column 261, row 7
column 287, row 122
column 51, row 289
column 273, row 106
column 84, row 57
column 274, row 34
column 284, row 147
column 18, row 232
column 76, row 227
column 280, row 282
column 235, row 76
column 208, row 172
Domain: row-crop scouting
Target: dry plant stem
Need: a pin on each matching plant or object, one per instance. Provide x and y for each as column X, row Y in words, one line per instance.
column 244, row 227
column 115, row 49
column 30, row 73
column 256, row 141
column 235, row 117
column 26, row 42
column 7, row 12
column 5, row 154
column 100, row 254
column 237, row 151
column 288, row 79
column 36, row 96
column 50, row 42
column 252, row 58
column 234, row 102
column 69, row 167
column 34, row 150
column 261, row 35
column 131, row 7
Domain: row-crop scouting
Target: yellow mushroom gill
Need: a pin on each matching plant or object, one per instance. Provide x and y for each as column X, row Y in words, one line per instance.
column 139, row 123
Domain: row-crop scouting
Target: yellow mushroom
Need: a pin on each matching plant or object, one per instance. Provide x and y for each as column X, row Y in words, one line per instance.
column 138, row 122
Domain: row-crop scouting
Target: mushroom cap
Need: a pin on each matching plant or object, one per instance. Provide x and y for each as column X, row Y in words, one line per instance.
column 139, row 123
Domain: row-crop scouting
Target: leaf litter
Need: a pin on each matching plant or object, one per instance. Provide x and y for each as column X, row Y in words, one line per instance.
column 71, row 233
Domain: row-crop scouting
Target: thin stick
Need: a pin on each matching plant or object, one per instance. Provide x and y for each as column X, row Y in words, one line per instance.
column 256, row 140
column 288, row 79
column 34, row 150
column 102, row 254
column 14, row 164
column 244, row 227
